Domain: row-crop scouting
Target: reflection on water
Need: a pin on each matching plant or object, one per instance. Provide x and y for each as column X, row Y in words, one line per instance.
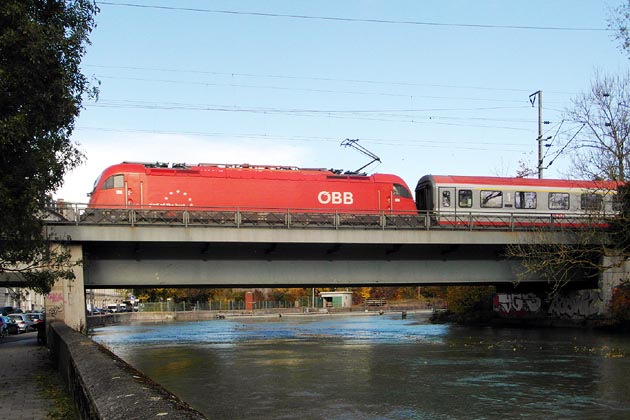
column 380, row 367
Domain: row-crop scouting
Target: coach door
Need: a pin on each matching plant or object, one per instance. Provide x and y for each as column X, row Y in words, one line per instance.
column 133, row 191
column 446, row 200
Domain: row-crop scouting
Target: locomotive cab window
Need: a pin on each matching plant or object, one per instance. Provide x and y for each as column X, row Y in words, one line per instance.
column 114, row 181
column 465, row 198
column 525, row 200
column 401, row 191
column 492, row 199
column 558, row 201
column 590, row 201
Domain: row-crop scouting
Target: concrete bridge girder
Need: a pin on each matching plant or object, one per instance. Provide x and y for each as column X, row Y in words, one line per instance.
column 125, row 256
column 293, row 273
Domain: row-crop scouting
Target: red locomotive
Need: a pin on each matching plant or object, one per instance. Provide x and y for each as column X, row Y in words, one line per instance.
column 248, row 187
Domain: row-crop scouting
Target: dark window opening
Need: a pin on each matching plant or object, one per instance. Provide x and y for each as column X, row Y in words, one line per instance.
column 423, row 198
column 114, row 181
column 446, row 199
column 492, row 199
column 465, row 198
column 558, row 201
column 525, row 200
column 590, row 201
column 401, row 191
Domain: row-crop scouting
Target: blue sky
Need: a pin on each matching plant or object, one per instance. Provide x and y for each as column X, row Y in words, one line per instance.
column 242, row 82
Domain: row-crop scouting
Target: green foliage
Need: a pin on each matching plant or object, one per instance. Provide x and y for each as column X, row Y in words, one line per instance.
column 470, row 301
column 41, row 89
column 190, row 295
column 434, row 291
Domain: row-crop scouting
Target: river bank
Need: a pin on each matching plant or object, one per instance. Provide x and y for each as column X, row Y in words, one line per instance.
column 489, row 319
column 188, row 316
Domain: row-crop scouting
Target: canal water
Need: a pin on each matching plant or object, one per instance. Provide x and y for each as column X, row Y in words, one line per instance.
column 380, row 367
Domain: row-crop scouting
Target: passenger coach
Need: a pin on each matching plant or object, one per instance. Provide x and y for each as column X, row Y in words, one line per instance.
column 449, row 195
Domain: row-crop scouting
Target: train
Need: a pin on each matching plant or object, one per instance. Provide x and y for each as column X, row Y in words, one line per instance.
column 251, row 187
column 448, row 199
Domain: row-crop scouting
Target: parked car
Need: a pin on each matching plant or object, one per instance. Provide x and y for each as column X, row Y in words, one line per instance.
column 6, row 310
column 8, row 324
column 4, row 329
column 95, row 311
column 36, row 317
column 23, row 322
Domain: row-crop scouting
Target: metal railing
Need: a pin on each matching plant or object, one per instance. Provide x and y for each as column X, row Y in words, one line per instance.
column 80, row 214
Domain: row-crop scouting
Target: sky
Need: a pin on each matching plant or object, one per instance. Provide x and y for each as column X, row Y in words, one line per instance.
column 431, row 87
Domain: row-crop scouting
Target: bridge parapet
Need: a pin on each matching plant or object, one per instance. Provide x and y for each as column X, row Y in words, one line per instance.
column 80, row 214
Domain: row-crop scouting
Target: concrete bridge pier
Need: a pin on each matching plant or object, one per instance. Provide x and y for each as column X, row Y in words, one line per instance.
column 611, row 278
column 66, row 300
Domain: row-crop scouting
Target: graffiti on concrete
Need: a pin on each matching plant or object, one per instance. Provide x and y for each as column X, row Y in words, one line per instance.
column 516, row 303
column 53, row 311
column 579, row 304
column 55, row 297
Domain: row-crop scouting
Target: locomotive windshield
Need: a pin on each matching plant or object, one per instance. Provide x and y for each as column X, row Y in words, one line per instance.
column 114, row 181
column 98, row 178
column 401, row 191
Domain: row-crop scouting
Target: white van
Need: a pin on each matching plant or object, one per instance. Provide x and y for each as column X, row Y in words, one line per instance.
column 115, row 307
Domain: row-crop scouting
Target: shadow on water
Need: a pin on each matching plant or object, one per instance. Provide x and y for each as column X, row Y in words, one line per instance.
column 380, row 367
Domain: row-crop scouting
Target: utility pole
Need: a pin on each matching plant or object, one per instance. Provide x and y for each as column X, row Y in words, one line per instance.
column 532, row 100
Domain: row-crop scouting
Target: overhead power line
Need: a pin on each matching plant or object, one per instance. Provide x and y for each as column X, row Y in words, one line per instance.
column 231, row 108
column 432, row 143
column 299, row 89
column 343, row 19
column 356, row 114
column 321, row 79
column 279, row 76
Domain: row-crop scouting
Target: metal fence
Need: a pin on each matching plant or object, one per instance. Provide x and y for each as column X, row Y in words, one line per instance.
column 79, row 214
column 229, row 305
column 299, row 305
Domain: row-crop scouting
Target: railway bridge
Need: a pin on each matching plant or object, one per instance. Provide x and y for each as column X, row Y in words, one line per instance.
column 124, row 249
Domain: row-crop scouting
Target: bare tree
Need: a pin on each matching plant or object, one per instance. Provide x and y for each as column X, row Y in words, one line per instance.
column 601, row 145
column 577, row 254
column 618, row 21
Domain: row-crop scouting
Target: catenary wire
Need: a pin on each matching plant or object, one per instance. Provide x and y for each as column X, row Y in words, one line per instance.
column 343, row 19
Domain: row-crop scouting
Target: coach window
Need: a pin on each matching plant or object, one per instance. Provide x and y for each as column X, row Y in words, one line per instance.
column 558, row 201
column 492, row 199
column 401, row 191
column 590, row 201
column 465, row 198
column 525, row 200
column 446, row 199
column 114, row 181
column 617, row 203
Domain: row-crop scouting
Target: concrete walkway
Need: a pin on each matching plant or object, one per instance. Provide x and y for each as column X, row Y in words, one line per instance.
column 22, row 362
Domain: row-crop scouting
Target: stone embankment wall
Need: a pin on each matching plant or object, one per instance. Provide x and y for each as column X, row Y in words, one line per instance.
column 576, row 305
column 132, row 317
column 105, row 387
